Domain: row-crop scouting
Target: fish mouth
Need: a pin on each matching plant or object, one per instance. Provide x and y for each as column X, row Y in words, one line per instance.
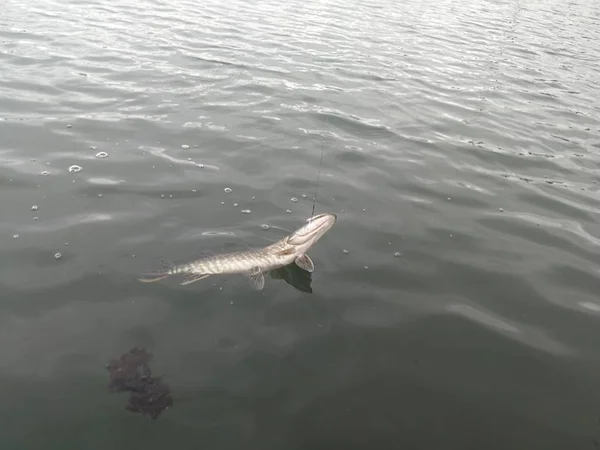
column 322, row 220
column 315, row 227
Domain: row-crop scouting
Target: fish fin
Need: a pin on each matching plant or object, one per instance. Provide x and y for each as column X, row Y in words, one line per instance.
column 304, row 262
column 165, row 269
column 189, row 278
column 256, row 278
column 152, row 277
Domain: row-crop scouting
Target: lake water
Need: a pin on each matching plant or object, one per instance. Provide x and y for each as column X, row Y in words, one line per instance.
column 455, row 302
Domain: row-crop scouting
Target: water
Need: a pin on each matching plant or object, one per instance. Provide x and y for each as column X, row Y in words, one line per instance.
column 461, row 135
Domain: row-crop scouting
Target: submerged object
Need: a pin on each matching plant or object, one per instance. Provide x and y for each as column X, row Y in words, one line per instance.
column 130, row 372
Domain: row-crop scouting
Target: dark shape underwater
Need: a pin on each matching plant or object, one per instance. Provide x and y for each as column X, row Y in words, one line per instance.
column 130, row 372
column 294, row 276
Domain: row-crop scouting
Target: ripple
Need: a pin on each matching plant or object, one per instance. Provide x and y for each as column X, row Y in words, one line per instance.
column 162, row 153
column 526, row 334
column 460, row 151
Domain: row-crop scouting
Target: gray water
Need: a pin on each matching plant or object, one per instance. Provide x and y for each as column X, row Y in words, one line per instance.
column 455, row 302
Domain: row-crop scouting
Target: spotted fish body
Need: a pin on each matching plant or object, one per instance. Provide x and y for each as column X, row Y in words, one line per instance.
column 254, row 263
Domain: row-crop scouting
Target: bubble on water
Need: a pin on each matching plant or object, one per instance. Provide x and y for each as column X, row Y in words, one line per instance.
column 35, row 218
column 194, row 190
column 99, row 195
column 449, row 198
column 189, row 159
column 75, row 169
column 162, row 195
column 185, row 146
column 66, row 243
column 346, row 251
column 303, row 195
column 253, row 198
column 69, row 125
column 227, row 190
column 235, row 204
column 222, row 203
column 265, row 227
column 57, row 255
column 35, row 207
column 364, row 209
column 195, row 145
column 45, row 172
column 15, row 236
column 200, row 165
column 101, row 155
column 246, row 211
column 293, row 199
column 501, row 209
column 288, row 211
column 397, row 254
column 93, row 147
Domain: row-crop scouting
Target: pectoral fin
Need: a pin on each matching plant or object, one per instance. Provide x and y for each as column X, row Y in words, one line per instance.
column 189, row 278
column 304, row 262
column 256, row 278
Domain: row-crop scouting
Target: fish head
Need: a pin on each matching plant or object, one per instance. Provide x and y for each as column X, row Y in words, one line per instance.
column 306, row 236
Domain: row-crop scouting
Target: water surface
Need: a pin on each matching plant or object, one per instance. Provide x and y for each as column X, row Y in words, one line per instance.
column 454, row 304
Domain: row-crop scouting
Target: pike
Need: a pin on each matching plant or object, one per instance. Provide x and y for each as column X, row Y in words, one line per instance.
column 253, row 263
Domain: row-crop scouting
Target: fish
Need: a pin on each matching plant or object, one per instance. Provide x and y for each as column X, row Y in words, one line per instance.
column 252, row 263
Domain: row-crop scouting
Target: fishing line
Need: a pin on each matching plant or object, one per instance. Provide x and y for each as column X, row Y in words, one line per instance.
column 318, row 177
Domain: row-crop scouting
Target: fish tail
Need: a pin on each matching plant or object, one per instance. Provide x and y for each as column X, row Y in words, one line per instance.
column 166, row 268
